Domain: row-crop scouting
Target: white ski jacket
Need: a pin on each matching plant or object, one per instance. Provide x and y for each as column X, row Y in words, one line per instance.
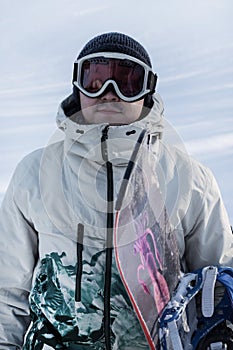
column 56, row 189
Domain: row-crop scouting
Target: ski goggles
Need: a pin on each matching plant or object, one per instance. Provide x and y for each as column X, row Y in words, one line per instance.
column 131, row 78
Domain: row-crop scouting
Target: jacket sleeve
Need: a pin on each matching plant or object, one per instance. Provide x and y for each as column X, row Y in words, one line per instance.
column 18, row 255
column 208, row 236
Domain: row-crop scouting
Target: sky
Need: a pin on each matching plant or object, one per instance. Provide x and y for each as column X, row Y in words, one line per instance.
column 191, row 48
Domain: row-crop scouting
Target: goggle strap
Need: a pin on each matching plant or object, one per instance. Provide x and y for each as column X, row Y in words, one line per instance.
column 75, row 72
column 151, row 82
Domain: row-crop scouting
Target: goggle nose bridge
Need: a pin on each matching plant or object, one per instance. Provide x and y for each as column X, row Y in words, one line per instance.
column 109, row 85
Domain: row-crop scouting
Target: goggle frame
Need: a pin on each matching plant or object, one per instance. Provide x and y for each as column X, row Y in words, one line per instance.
column 149, row 82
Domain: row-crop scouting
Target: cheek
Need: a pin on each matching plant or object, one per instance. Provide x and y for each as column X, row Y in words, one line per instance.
column 135, row 109
column 86, row 102
column 87, row 106
column 139, row 103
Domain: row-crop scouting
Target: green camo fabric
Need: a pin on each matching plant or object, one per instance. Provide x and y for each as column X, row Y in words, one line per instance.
column 61, row 323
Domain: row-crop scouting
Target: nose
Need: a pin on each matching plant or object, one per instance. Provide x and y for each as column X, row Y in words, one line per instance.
column 110, row 95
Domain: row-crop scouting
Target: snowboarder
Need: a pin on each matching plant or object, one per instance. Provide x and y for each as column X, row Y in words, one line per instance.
column 59, row 280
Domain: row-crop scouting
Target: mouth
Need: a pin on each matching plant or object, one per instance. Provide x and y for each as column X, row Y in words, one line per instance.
column 108, row 111
column 108, row 108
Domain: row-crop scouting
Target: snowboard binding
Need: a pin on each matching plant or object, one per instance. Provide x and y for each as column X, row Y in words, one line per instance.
column 212, row 329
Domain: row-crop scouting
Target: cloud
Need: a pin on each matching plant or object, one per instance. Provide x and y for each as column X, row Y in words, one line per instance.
column 32, row 89
column 217, row 144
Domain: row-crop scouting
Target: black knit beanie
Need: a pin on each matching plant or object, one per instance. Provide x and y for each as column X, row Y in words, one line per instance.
column 111, row 42
column 116, row 42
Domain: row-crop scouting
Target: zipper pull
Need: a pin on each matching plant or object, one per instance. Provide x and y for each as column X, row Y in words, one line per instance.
column 104, row 148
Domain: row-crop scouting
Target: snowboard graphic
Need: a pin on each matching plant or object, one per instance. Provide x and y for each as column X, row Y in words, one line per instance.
column 145, row 246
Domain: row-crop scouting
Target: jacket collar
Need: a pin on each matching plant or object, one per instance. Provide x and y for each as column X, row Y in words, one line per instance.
column 85, row 139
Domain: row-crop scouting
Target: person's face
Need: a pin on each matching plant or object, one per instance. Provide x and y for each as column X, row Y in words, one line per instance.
column 109, row 108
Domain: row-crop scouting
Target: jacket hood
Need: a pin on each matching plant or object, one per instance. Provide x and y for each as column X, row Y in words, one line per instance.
column 84, row 140
column 153, row 122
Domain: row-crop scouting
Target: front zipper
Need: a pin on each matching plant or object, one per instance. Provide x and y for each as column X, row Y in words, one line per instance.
column 109, row 241
column 80, row 234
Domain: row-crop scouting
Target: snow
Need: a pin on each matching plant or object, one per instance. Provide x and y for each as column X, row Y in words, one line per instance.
column 190, row 42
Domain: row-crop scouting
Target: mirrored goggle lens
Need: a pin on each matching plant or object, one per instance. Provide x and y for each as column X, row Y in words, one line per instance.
column 128, row 75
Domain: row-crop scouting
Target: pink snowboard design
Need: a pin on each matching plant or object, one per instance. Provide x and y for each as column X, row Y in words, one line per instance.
column 145, row 246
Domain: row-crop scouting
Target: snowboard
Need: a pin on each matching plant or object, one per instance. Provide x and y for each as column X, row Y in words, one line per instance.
column 145, row 245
